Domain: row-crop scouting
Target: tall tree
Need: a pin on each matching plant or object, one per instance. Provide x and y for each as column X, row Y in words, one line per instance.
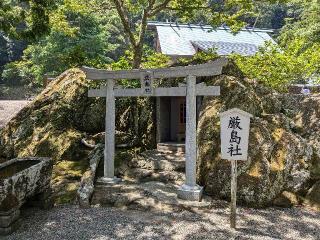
column 134, row 15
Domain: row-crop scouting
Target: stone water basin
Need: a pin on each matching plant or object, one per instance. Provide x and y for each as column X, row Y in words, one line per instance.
column 22, row 179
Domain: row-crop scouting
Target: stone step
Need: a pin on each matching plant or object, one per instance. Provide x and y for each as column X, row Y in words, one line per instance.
column 171, row 147
column 145, row 175
column 156, row 155
column 145, row 196
column 157, row 162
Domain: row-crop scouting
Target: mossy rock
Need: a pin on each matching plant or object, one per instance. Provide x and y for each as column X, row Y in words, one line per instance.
column 279, row 158
column 287, row 199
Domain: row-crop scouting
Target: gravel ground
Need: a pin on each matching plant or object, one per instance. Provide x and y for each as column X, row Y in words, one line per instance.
column 8, row 109
column 70, row 222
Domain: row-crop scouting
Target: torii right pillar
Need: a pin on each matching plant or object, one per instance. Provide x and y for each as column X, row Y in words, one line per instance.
column 190, row 190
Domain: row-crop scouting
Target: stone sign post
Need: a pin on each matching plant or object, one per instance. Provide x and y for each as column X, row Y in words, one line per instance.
column 235, row 126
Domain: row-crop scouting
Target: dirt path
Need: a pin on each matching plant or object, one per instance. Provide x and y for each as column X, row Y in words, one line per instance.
column 8, row 109
column 70, row 222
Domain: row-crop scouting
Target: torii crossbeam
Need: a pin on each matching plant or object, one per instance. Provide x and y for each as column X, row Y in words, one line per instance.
column 190, row 190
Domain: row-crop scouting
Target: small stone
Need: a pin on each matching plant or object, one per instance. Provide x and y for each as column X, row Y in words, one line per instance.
column 286, row 199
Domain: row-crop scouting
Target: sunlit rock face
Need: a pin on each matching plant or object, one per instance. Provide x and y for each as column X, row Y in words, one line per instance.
column 283, row 152
column 55, row 122
column 51, row 125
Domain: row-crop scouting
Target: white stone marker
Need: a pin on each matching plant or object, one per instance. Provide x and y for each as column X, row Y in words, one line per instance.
column 235, row 126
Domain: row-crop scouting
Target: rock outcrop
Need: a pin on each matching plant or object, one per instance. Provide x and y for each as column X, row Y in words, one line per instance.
column 312, row 198
column 51, row 125
column 282, row 148
column 59, row 117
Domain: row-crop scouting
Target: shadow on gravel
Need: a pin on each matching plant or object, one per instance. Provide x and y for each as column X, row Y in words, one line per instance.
column 70, row 222
column 280, row 223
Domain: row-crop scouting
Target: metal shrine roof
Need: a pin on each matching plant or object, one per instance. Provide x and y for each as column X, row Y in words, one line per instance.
column 226, row 48
column 186, row 39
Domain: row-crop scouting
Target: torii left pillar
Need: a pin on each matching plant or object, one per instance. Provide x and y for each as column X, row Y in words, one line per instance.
column 190, row 190
column 109, row 136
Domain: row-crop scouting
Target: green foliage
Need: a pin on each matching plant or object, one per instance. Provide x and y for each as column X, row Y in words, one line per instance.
column 28, row 19
column 297, row 59
column 150, row 59
column 271, row 16
column 18, row 73
column 277, row 68
column 78, row 37
column 199, row 57
column 91, row 32
column 304, row 26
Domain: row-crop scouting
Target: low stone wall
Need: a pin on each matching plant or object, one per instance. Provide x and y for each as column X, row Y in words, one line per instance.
column 86, row 188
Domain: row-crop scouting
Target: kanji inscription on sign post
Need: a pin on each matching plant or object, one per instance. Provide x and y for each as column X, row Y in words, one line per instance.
column 235, row 126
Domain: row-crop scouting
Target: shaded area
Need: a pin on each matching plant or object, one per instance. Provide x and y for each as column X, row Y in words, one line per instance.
column 70, row 222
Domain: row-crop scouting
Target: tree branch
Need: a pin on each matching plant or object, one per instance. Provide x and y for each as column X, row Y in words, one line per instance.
column 184, row 8
column 159, row 7
column 125, row 21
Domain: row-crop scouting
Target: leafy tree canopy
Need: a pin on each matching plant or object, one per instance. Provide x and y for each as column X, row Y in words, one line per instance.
column 78, row 37
column 277, row 68
column 297, row 58
column 28, row 19
column 304, row 25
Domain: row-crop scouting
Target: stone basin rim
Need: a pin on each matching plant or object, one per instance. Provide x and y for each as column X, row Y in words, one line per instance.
column 39, row 160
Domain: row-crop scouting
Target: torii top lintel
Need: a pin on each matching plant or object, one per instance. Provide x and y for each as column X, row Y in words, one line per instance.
column 207, row 69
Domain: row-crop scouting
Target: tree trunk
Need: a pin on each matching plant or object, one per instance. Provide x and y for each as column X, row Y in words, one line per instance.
column 137, row 56
column 138, row 48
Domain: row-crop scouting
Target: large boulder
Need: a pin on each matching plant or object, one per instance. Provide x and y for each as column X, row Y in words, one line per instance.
column 54, row 124
column 280, row 159
column 305, row 112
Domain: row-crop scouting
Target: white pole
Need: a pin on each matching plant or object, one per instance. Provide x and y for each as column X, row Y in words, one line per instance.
column 110, row 131
column 191, row 130
column 233, row 205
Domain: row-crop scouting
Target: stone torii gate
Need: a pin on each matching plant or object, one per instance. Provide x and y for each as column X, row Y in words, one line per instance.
column 190, row 190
